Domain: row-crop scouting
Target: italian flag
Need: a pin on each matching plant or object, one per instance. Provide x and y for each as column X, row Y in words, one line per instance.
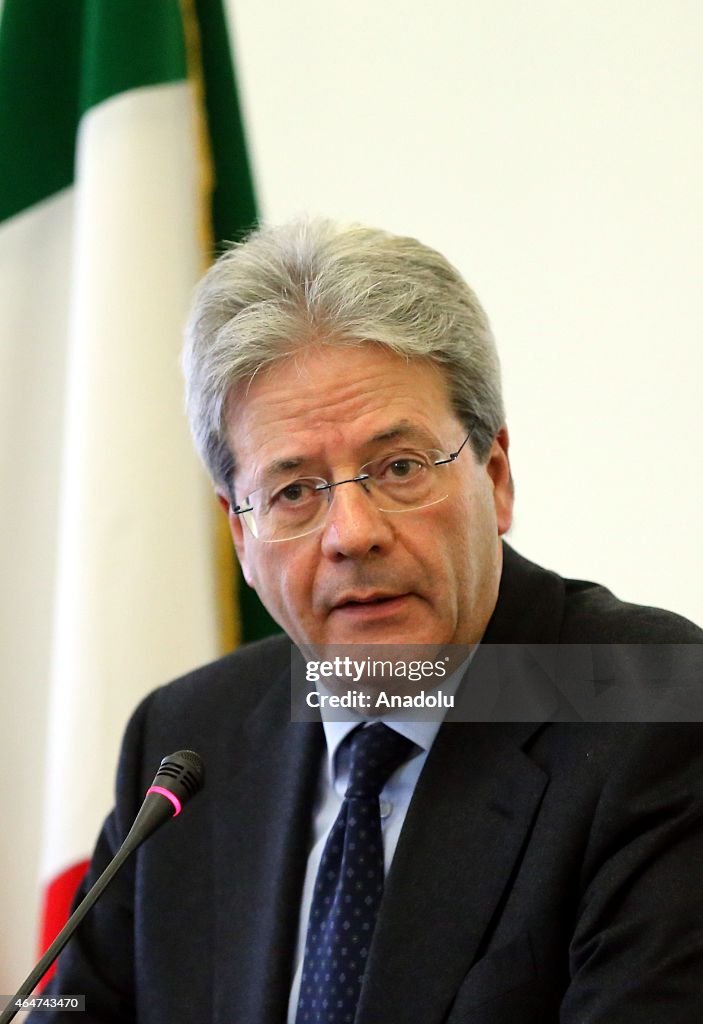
column 122, row 165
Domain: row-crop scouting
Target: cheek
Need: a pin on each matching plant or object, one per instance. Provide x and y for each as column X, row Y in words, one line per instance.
column 283, row 580
column 471, row 525
column 436, row 550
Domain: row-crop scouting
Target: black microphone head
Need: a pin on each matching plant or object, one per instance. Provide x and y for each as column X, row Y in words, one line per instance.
column 179, row 778
column 182, row 774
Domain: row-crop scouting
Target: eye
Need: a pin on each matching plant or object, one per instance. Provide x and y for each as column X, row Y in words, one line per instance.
column 402, row 466
column 294, row 493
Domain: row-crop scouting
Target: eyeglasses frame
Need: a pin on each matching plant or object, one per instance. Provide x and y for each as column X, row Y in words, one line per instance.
column 239, row 510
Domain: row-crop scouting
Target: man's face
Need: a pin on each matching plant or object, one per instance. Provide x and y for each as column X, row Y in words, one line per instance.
column 424, row 576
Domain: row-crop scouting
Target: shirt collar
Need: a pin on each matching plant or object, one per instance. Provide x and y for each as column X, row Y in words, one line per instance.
column 418, row 729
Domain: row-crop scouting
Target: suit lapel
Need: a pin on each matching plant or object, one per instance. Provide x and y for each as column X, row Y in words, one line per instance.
column 466, row 827
column 261, row 846
column 467, row 823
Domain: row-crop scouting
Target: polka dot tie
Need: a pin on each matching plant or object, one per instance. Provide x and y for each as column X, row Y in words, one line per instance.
column 349, row 883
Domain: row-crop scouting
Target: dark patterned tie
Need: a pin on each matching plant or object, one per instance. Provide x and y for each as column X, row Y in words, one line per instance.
column 349, row 883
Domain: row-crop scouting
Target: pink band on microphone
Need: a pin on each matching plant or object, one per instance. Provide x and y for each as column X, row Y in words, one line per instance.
column 169, row 796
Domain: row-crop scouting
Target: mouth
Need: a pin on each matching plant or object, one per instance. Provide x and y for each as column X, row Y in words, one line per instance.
column 371, row 604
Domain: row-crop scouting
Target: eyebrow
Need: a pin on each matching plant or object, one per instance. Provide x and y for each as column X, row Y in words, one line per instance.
column 280, row 466
column 402, row 430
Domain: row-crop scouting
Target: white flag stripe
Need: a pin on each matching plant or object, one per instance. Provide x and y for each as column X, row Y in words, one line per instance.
column 135, row 512
column 33, row 313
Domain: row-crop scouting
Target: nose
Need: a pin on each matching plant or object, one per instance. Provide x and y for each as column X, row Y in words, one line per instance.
column 354, row 526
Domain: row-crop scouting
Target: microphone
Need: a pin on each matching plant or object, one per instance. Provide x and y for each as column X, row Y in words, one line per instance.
column 179, row 778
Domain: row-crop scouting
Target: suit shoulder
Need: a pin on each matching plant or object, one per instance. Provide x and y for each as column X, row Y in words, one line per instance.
column 228, row 688
column 242, row 675
column 537, row 605
column 204, row 710
column 593, row 614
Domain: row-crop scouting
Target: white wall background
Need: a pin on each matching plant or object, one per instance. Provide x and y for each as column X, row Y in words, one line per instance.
column 554, row 152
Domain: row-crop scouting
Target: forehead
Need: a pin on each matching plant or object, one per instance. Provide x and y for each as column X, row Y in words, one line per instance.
column 325, row 398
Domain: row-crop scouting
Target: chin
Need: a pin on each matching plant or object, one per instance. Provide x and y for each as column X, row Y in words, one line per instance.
column 387, row 635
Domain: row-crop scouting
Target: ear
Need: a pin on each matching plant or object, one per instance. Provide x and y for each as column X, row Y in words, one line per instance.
column 498, row 469
column 236, row 529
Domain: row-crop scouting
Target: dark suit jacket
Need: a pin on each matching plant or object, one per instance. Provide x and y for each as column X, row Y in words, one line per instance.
column 545, row 872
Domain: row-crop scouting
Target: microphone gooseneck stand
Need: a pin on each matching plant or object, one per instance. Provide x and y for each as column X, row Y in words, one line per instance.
column 180, row 777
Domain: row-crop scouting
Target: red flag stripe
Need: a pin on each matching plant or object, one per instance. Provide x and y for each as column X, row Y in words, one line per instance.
column 58, row 898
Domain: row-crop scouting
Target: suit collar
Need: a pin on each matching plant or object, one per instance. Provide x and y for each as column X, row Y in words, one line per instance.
column 530, row 605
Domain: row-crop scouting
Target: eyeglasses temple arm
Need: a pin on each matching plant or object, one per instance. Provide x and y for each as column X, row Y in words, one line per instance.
column 457, row 453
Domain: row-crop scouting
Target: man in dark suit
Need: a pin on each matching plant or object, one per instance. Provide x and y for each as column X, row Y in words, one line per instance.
column 344, row 393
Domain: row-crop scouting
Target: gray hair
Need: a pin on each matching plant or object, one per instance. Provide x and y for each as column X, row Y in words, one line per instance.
column 285, row 285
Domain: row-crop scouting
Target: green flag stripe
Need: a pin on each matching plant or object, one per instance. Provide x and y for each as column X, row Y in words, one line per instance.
column 58, row 58
column 233, row 202
column 39, row 82
column 130, row 43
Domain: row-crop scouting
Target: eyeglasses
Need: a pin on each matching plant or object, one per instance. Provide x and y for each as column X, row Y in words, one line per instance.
column 401, row 481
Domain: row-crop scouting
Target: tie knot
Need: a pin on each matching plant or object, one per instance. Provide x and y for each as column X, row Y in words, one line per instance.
column 376, row 752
